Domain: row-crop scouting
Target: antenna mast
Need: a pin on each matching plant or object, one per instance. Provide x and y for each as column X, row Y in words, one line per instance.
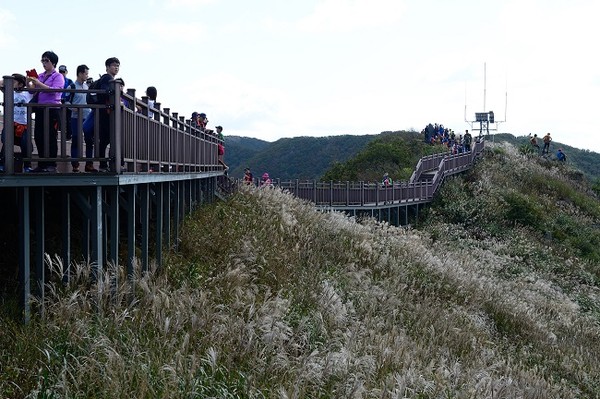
column 484, row 84
column 486, row 119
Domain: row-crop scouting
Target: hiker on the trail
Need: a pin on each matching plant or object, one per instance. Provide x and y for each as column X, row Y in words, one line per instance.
column 248, row 178
column 266, row 180
column 560, row 155
column 467, row 140
column 547, row 140
column 534, row 143
column 221, row 148
column 386, row 183
column 387, row 180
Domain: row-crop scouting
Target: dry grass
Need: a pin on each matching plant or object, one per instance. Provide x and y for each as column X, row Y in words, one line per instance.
column 269, row 298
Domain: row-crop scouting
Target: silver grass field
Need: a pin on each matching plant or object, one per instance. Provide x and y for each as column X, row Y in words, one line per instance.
column 269, row 298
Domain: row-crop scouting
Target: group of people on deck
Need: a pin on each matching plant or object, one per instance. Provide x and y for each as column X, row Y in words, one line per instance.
column 438, row 134
column 77, row 126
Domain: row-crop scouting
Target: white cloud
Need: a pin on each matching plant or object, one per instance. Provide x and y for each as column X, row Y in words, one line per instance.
column 187, row 3
column 7, row 27
column 150, row 35
column 349, row 15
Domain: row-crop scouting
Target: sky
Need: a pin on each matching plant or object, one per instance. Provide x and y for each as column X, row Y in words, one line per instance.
column 272, row 68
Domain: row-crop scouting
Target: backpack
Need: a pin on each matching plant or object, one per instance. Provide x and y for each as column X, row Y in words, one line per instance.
column 67, row 96
column 72, row 94
column 94, row 98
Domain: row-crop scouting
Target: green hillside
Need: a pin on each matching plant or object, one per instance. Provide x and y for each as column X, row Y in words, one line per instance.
column 588, row 162
column 304, row 158
column 494, row 293
column 239, row 150
column 361, row 157
column 395, row 153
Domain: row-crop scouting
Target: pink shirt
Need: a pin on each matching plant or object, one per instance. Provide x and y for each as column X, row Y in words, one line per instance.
column 55, row 81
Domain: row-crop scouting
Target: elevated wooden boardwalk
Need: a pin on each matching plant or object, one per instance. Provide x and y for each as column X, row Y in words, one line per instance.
column 394, row 203
column 162, row 167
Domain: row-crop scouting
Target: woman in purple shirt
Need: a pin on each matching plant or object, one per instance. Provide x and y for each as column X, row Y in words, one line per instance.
column 50, row 79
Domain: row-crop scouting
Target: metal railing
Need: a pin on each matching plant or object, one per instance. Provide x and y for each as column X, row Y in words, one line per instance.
column 142, row 138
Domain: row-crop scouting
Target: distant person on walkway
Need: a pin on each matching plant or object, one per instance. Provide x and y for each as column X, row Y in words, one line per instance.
column 49, row 79
column 221, row 148
column 266, row 180
column 535, row 144
column 78, row 99
column 248, row 178
column 194, row 120
column 386, row 181
column 151, row 93
column 560, row 155
column 20, row 96
column 547, row 140
column 203, row 122
column 467, row 139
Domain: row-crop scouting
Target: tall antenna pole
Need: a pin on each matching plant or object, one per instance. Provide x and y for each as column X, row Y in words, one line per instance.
column 465, row 101
column 505, row 97
column 484, row 85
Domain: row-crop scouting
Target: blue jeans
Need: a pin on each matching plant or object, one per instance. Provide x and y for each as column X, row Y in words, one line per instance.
column 76, row 136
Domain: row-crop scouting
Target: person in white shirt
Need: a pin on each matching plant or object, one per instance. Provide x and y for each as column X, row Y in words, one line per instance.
column 151, row 93
column 78, row 99
column 21, row 96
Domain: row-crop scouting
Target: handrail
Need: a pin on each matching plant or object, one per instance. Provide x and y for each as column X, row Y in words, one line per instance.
column 165, row 142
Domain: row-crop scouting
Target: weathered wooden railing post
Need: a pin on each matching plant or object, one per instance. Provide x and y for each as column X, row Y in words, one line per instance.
column 9, row 127
column 362, row 193
column 331, row 193
column 116, row 147
column 182, row 148
column 315, row 192
column 347, row 193
column 134, row 139
column 166, row 131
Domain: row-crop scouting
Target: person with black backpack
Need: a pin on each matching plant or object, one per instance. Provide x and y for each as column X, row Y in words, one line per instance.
column 467, row 140
column 112, row 69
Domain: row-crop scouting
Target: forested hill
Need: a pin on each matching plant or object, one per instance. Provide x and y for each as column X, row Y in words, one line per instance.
column 291, row 158
column 364, row 157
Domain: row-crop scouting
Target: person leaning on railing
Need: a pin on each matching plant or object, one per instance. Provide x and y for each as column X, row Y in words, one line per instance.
column 78, row 99
column 50, row 79
column 20, row 97
column 221, row 148
column 112, row 65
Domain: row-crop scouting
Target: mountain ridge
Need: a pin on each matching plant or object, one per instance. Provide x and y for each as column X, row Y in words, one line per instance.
column 308, row 158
